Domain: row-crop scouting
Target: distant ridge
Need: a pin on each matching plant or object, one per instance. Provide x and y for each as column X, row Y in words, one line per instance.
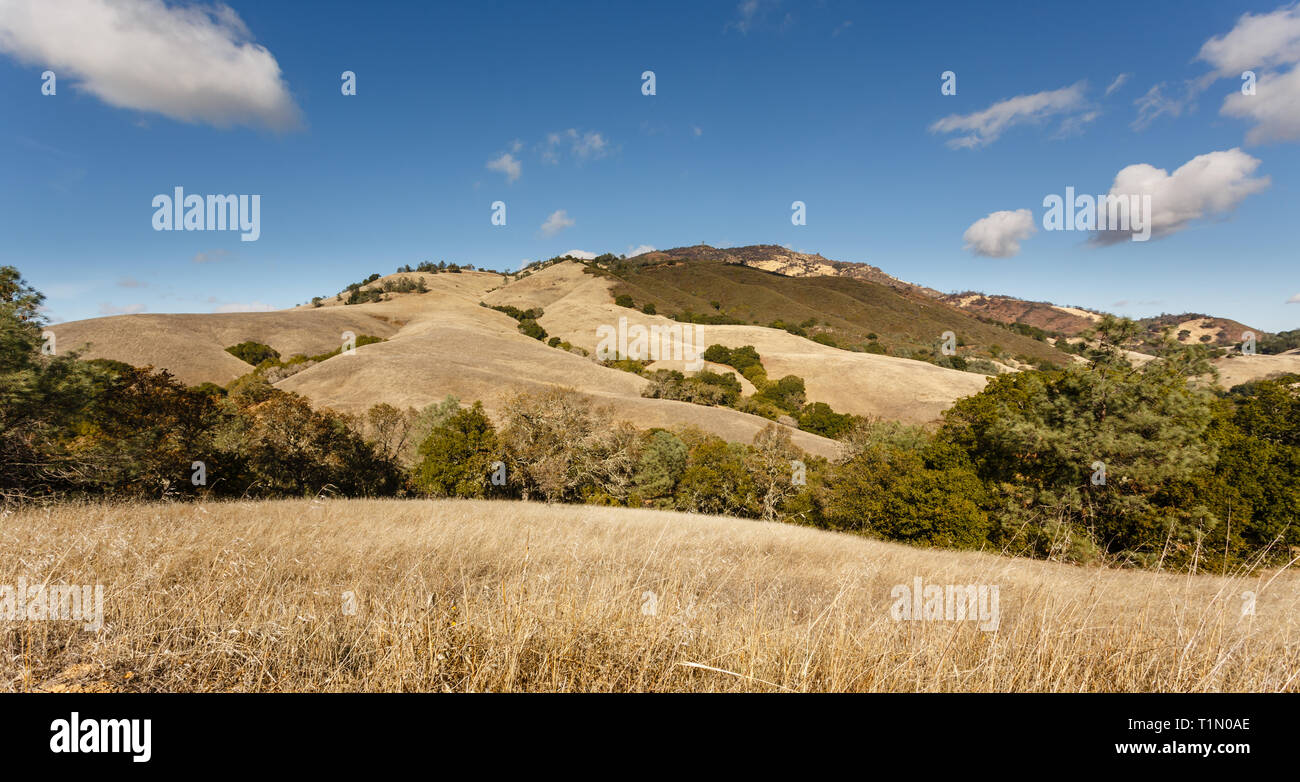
column 787, row 262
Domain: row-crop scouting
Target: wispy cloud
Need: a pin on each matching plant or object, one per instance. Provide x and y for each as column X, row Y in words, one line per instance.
column 1119, row 82
column 211, row 256
column 506, row 164
column 747, row 14
column 131, row 282
column 1155, row 103
column 581, row 145
column 984, row 127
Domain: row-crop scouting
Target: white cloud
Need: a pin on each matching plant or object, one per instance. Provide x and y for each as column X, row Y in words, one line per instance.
column 1119, row 82
column 1294, row 299
column 190, row 63
column 640, row 249
column 508, row 165
column 111, row 309
column 1267, row 44
column 252, row 306
column 1256, row 41
column 1209, row 185
column 999, row 235
column 583, row 254
column 1275, row 107
column 558, row 221
column 984, row 127
column 131, row 282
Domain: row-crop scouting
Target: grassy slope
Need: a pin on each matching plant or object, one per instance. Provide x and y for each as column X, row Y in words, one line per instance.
column 852, row 308
column 577, row 304
column 473, row 596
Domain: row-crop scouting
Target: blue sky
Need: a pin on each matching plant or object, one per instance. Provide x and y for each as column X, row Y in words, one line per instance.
column 758, row 104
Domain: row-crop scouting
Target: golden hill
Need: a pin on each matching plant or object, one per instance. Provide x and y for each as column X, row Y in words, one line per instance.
column 916, row 392
column 444, row 342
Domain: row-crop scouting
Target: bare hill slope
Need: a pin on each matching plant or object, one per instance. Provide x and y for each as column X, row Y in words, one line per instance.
column 438, row 343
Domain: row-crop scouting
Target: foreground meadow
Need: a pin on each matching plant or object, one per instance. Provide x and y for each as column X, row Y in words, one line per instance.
column 393, row 595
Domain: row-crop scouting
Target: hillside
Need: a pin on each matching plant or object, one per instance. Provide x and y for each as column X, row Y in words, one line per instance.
column 1195, row 328
column 460, row 596
column 444, row 341
column 438, row 343
column 192, row 346
column 576, row 303
column 788, row 263
column 1069, row 321
column 728, row 285
column 1235, row 369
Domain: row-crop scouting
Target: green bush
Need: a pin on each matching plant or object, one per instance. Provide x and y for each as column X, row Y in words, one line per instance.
column 456, row 458
column 531, row 328
column 253, row 352
column 900, row 495
column 787, row 393
column 819, row 418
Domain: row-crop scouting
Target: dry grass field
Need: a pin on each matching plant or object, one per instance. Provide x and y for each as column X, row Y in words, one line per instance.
column 480, row 596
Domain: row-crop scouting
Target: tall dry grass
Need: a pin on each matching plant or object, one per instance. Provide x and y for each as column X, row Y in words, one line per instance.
column 475, row 596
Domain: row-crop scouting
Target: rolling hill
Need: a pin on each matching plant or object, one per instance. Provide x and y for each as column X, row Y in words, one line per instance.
column 1069, row 321
column 732, row 286
column 449, row 340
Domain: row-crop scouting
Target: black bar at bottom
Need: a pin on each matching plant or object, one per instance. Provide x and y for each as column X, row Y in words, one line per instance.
column 640, row 732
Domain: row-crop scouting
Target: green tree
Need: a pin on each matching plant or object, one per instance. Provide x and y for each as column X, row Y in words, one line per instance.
column 42, row 396
column 457, row 456
column 1079, row 456
column 819, row 418
column 660, row 465
column 716, row 479
column 930, row 497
